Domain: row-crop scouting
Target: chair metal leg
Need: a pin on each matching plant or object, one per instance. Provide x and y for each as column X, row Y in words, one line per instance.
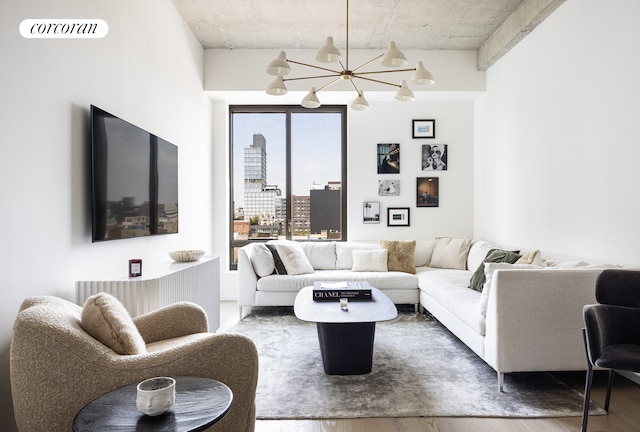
column 609, row 387
column 587, row 397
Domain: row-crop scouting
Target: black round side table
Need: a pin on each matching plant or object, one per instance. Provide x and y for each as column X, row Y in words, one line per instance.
column 200, row 402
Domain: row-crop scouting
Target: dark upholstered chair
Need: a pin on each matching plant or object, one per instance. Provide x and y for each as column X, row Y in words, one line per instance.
column 612, row 329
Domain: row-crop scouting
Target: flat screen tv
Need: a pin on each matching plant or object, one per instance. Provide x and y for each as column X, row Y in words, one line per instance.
column 134, row 180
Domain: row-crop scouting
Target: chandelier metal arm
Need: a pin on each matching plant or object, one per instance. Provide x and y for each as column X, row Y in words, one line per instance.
column 386, row 71
column 313, row 66
column 375, row 80
column 309, row 77
column 328, row 84
column 369, row 62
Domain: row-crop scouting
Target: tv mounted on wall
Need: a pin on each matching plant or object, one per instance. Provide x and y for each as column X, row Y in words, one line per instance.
column 134, row 180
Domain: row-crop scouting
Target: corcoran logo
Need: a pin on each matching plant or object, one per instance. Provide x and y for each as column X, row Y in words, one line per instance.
column 64, row 28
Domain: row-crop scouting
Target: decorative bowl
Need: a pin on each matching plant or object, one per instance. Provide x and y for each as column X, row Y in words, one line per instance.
column 186, row 255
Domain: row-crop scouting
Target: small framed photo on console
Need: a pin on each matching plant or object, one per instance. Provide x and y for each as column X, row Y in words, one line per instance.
column 135, row 267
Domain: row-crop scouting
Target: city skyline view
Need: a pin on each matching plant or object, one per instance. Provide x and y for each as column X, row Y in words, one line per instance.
column 315, row 158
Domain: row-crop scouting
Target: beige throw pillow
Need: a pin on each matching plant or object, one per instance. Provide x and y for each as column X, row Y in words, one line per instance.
column 451, row 253
column 107, row 320
column 400, row 255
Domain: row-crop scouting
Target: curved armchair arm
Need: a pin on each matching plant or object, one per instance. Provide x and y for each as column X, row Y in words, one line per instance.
column 175, row 320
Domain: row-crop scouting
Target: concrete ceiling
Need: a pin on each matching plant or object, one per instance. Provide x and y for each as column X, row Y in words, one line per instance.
column 490, row 26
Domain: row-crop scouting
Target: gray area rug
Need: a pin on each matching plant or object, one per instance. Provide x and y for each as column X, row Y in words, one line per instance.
column 419, row 370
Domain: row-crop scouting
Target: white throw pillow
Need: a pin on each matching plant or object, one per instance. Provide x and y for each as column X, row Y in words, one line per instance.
column 489, row 271
column 262, row 260
column 478, row 252
column 293, row 258
column 344, row 253
column 451, row 253
column 370, row 260
column 423, row 253
column 321, row 255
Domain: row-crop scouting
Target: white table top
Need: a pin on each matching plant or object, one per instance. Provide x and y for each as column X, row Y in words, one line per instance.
column 380, row 308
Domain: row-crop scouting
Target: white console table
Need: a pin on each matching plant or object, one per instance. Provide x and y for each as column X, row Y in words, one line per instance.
column 162, row 284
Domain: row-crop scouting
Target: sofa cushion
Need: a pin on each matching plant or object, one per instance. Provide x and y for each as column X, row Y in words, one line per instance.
column 321, row 255
column 279, row 265
column 449, row 288
column 451, row 253
column 401, row 255
column 370, row 260
column 478, row 252
column 262, row 260
column 494, row 256
column 424, row 251
column 293, row 258
column 107, row 320
column 380, row 280
column 344, row 253
column 489, row 270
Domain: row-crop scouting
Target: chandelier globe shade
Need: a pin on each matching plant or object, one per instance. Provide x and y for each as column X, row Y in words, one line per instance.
column 328, row 53
column 404, row 93
column 360, row 103
column 311, row 100
column 392, row 58
column 277, row 87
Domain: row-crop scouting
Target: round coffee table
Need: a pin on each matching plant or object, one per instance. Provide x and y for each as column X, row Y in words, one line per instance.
column 200, row 402
column 346, row 337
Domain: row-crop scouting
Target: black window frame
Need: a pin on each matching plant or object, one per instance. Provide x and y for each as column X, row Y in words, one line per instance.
column 288, row 110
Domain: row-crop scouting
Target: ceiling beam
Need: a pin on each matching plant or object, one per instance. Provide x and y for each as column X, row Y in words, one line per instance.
column 520, row 23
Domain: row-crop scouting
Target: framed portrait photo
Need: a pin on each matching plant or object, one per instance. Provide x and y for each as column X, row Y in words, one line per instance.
column 427, row 192
column 398, row 216
column 434, row 157
column 424, row 128
column 371, row 212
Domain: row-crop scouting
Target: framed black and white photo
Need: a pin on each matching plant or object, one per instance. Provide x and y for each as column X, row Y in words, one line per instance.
column 371, row 212
column 398, row 216
column 388, row 158
column 389, row 187
column 428, row 192
column 434, row 157
column 424, row 128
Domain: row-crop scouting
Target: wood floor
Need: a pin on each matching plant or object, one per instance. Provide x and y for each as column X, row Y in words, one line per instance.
column 624, row 411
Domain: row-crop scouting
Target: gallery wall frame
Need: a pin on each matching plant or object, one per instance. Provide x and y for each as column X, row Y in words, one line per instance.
column 435, row 157
column 428, row 191
column 388, row 158
column 371, row 212
column 398, row 216
column 424, row 128
column 389, row 187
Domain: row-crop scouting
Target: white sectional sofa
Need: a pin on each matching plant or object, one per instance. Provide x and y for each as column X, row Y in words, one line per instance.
column 527, row 318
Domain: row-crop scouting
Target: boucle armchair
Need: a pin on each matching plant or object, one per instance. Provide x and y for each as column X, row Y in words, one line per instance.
column 57, row 367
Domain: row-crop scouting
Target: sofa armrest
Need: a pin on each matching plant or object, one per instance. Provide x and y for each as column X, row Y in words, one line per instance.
column 534, row 319
column 175, row 320
column 247, row 277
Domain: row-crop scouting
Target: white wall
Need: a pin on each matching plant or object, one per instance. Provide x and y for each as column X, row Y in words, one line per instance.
column 557, row 145
column 148, row 70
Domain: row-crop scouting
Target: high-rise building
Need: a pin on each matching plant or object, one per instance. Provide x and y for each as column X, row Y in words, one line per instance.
column 259, row 197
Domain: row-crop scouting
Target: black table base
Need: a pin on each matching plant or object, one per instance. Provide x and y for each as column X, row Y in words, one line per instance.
column 347, row 348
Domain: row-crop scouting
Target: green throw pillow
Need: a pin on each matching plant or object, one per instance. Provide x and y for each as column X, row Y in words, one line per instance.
column 493, row 256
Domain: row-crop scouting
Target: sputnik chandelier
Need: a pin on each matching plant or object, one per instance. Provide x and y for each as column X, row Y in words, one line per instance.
column 328, row 53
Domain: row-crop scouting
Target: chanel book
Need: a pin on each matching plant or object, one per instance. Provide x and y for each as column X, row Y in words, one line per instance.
column 334, row 291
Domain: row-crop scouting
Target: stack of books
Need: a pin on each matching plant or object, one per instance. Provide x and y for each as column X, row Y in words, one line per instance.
column 334, row 291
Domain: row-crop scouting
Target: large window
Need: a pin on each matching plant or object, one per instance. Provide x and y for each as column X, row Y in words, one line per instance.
column 288, row 174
